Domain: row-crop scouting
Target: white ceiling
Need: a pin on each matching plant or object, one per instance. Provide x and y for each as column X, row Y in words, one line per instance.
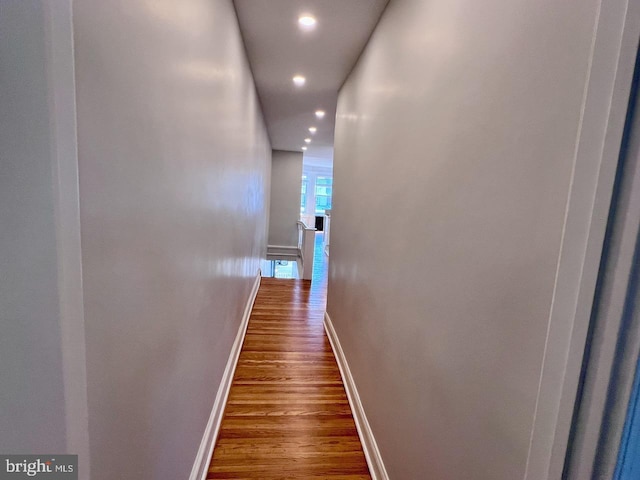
column 278, row 49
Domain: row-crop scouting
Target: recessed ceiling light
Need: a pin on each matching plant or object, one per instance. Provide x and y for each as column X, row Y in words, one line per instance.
column 313, row 129
column 299, row 80
column 320, row 113
column 307, row 22
column 304, row 148
column 308, row 140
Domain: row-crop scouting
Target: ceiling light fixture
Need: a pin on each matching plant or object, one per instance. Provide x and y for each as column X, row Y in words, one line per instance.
column 320, row 113
column 308, row 140
column 304, row 148
column 313, row 129
column 299, row 80
column 307, row 22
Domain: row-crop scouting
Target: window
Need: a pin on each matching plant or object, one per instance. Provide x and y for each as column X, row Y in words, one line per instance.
column 303, row 195
column 323, row 193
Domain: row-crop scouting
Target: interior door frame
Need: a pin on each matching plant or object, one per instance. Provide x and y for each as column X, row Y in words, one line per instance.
column 613, row 342
column 608, row 85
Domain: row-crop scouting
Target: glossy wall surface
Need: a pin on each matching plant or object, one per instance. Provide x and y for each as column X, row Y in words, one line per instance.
column 174, row 179
column 286, row 180
column 452, row 170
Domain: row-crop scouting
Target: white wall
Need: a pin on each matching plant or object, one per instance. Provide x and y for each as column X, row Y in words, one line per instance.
column 174, row 161
column 452, row 170
column 43, row 401
column 284, row 210
column 30, row 338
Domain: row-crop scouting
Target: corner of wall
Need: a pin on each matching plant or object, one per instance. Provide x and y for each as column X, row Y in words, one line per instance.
column 205, row 451
column 369, row 445
column 64, row 154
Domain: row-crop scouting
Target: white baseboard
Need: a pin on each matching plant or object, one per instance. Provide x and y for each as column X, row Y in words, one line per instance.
column 201, row 463
column 371, row 452
column 282, row 250
column 282, row 256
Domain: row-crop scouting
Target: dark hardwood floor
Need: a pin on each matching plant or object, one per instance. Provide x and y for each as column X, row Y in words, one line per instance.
column 287, row 415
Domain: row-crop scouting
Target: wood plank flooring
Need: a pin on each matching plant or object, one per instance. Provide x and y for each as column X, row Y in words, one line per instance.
column 287, row 415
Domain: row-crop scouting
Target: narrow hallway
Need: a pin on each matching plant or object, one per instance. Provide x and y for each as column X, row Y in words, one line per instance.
column 287, row 415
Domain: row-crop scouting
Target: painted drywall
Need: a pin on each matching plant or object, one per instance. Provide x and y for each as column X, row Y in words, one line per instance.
column 32, row 412
column 174, row 161
column 43, row 404
column 452, row 170
column 284, row 210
